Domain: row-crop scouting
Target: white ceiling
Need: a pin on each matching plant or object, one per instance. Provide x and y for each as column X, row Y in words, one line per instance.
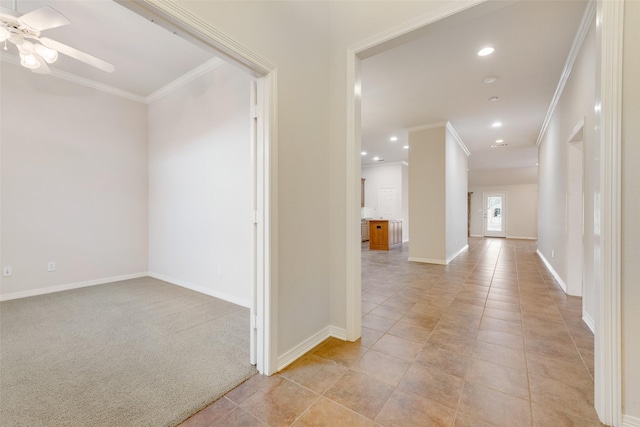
column 146, row 56
column 433, row 78
column 439, row 77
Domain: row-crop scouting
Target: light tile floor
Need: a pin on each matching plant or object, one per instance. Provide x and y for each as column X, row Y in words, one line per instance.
column 489, row 340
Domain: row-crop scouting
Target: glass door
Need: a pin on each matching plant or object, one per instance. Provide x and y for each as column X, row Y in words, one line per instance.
column 495, row 215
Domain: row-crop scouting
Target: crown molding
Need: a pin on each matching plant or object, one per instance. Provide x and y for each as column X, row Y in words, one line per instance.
column 184, row 79
column 74, row 78
column 458, row 139
column 163, row 91
column 426, row 127
column 587, row 19
column 380, row 164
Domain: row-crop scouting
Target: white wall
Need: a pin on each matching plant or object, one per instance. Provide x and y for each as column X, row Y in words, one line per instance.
column 576, row 104
column 405, row 202
column 437, row 195
column 74, row 184
column 456, row 195
column 522, row 210
column 507, row 176
column 630, row 214
column 200, row 186
column 307, row 42
column 387, row 175
column 427, row 195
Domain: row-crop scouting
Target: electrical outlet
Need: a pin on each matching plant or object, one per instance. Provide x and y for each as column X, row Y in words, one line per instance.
column 51, row 266
column 7, row 271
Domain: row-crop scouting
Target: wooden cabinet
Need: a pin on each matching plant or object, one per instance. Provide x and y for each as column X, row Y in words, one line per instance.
column 384, row 233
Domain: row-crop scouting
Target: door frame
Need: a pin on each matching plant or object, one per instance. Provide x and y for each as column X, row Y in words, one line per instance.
column 503, row 213
column 181, row 22
column 608, row 353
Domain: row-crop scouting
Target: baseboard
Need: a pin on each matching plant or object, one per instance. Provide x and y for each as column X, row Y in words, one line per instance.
column 476, row 235
column 630, row 421
column 588, row 320
column 69, row 286
column 201, row 289
column 305, row 346
column 553, row 272
column 339, row 333
column 428, row 260
column 452, row 257
column 522, row 237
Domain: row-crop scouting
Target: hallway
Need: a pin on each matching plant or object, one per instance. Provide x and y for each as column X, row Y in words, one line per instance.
column 489, row 340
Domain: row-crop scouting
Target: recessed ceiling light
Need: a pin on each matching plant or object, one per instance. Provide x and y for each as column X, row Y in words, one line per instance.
column 376, row 158
column 490, row 80
column 498, row 141
column 364, row 153
column 406, row 147
column 393, row 138
column 485, row 51
column 494, row 98
column 499, row 145
column 496, row 124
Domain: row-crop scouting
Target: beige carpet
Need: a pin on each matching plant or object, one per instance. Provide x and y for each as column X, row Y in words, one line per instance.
column 139, row 352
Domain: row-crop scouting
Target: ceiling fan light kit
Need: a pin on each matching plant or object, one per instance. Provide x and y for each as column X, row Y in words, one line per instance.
column 24, row 31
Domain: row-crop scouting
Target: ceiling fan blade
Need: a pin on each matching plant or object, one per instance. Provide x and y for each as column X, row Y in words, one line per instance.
column 44, row 18
column 76, row 54
column 43, row 68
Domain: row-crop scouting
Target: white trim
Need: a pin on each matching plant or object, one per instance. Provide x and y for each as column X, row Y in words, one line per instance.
column 630, row 421
column 520, row 237
column 458, row 139
column 353, row 229
column 588, row 320
column 427, row 127
column 428, row 260
column 184, row 79
column 587, row 19
column 175, row 18
column 305, row 346
column 553, row 272
column 201, row 289
column 73, row 78
column 608, row 336
column 70, row 286
column 353, row 157
column 452, row 257
column 339, row 333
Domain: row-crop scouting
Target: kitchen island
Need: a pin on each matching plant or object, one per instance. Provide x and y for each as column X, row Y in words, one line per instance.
column 384, row 233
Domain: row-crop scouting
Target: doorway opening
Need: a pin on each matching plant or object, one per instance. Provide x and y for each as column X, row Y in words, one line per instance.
column 608, row 354
column 183, row 24
column 495, row 214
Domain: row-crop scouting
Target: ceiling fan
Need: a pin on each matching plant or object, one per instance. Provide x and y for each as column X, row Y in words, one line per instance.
column 36, row 52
